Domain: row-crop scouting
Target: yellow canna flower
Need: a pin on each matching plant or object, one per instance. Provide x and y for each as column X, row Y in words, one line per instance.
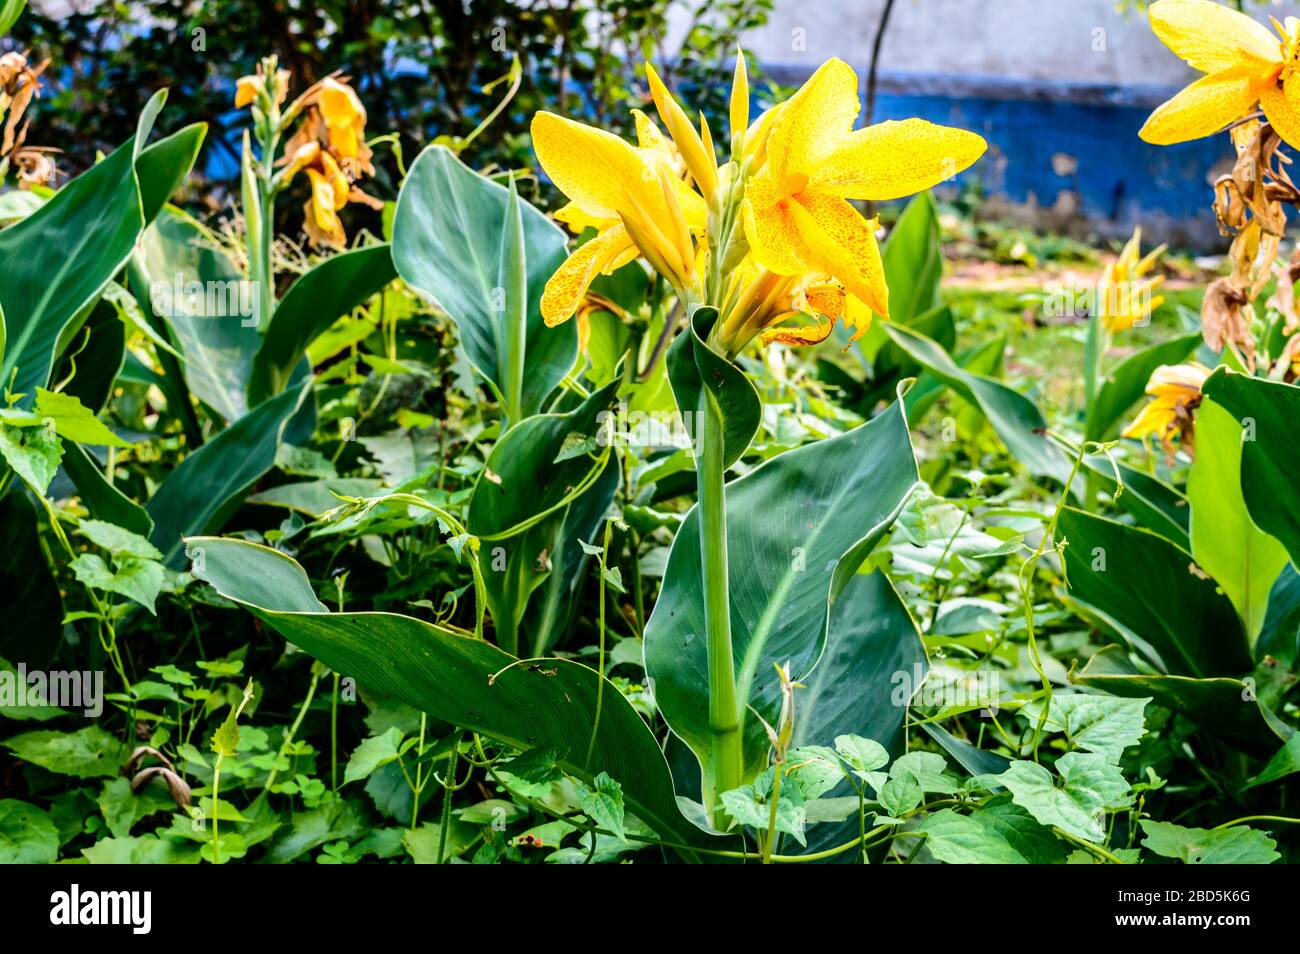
column 1176, row 390
column 246, row 89
column 796, row 214
column 1124, row 294
column 632, row 196
column 345, row 117
column 760, row 303
column 696, row 150
column 1244, row 64
column 329, row 194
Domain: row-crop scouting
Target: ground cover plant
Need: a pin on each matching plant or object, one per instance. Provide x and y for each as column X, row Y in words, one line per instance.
column 609, row 485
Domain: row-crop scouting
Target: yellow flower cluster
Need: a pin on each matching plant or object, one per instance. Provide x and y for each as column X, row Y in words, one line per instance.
column 767, row 237
column 329, row 145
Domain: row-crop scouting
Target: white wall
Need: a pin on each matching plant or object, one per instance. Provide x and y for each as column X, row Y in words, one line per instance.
column 1034, row 40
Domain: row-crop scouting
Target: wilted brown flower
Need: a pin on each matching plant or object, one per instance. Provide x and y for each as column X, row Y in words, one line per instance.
column 19, row 85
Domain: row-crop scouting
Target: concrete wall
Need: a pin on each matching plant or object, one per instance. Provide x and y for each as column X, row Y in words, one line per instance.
column 1084, row 42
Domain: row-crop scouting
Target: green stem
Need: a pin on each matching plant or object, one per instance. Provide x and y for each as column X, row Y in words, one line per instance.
column 727, row 762
column 334, row 735
column 293, row 729
column 449, row 786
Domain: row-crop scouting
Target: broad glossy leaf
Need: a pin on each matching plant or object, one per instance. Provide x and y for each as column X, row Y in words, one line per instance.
column 1226, row 706
column 1148, row 591
column 1153, row 503
column 1123, row 386
column 98, row 358
column 10, row 10
column 210, row 483
column 694, row 369
column 313, row 303
column 1015, row 418
column 31, row 614
column 1241, row 558
column 798, row 528
column 459, row 680
column 198, row 296
column 528, row 483
column 1270, row 468
column 854, row 689
column 449, row 242
column 55, row 263
column 101, row 498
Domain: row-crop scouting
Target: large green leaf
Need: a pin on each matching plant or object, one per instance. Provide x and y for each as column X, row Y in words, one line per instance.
column 101, row 498
column 1226, row 706
column 798, row 527
column 694, row 369
column 313, row 303
column 1015, row 418
column 96, row 358
column 450, row 242
column 1270, row 468
column 212, row 481
column 31, row 614
column 871, row 640
column 1125, row 383
column 459, row 680
column 1151, row 593
column 195, row 293
column 913, row 260
column 531, row 484
column 10, row 10
column 1241, row 558
column 56, row 262
column 1152, row 502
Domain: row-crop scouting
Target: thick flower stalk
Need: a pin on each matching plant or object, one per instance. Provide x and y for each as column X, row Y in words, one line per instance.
column 1245, row 66
column 768, row 239
column 328, row 145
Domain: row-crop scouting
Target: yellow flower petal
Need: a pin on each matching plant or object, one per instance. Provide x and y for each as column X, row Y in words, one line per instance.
column 798, row 335
column 893, row 159
column 594, row 168
column 835, row 239
column 738, row 105
column 246, row 88
column 769, row 231
column 565, row 289
column 1212, row 37
column 1204, row 107
column 577, row 220
column 1282, row 107
column 345, row 117
column 684, row 135
column 811, row 123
